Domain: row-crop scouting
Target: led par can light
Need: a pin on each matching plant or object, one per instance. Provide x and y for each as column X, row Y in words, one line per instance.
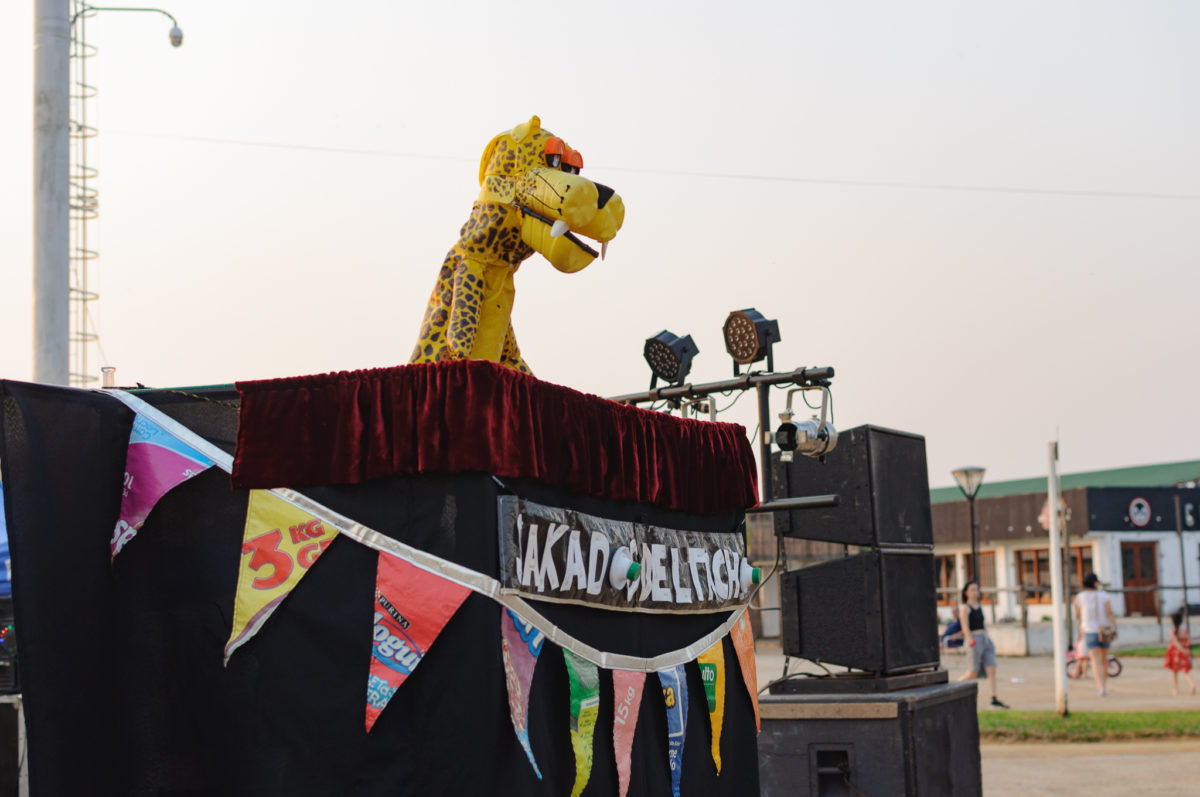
column 749, row 336
column 669, row 357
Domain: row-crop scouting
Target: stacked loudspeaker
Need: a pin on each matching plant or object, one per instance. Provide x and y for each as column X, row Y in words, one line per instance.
column 875, row 610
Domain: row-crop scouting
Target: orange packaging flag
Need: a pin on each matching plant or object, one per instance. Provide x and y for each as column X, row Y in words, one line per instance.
column 412, row 606
column 627, row 699
column 712, row 673
column 743, row 644
column 279, row 545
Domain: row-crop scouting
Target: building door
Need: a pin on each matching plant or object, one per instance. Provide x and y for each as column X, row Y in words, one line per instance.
column 1139, row 568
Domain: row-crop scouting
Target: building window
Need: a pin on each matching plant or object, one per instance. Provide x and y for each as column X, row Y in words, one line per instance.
column 1033, row 571
column 947, row 580
column 987, row 568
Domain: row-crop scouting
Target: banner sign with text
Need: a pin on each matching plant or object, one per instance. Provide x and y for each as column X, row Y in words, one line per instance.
column 554, row 554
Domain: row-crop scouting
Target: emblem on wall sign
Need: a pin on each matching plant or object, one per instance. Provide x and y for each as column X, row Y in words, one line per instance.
column 1139, row 512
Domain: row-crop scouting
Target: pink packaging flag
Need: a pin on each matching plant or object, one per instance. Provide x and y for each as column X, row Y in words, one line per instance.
column 743, row 645
column 675, row 695
column 627, row 699
column 585, row 705
column 412, row 606
column 155, row 463
column 520, row 645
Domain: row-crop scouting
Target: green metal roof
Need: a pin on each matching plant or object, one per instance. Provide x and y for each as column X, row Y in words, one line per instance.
column 1164, row 475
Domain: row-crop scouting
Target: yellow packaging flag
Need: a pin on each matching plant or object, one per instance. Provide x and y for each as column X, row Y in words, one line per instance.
column 712, row 673
column 279, row 545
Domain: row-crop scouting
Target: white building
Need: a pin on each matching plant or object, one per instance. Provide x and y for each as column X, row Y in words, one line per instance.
column 1122, row 526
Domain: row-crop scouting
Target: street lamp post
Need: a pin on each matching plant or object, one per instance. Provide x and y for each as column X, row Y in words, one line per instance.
column 969, row 480
column 53, row 22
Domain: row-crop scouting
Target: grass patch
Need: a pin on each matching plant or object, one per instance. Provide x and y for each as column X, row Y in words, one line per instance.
column 1150, row 653
column 1087, row 726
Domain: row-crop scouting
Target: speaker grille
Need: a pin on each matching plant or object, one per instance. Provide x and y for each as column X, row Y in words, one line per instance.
column 882, row 478
column 875, row 612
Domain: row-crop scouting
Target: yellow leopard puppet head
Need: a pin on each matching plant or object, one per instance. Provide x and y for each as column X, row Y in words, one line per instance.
column 532, row 199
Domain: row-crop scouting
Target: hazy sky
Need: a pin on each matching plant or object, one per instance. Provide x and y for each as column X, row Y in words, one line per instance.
column 987, row 219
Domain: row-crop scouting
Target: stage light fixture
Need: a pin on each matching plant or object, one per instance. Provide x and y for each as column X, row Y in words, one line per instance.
column 813, row 438
column 749, row 338
column 669, row 357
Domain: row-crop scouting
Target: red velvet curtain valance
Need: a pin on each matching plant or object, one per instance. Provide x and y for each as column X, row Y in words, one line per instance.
column 453, row 417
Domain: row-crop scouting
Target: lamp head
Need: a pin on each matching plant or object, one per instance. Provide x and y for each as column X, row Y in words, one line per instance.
column 749, row 336
column 670, row 356
column 969, row 479
column 176, row 36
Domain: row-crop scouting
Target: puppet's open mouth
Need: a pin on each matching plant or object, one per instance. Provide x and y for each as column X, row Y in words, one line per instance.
column 570, row 236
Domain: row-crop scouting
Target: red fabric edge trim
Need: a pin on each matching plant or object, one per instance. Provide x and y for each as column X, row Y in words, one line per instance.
column 351, row 426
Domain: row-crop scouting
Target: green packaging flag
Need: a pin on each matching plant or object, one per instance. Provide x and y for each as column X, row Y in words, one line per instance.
column 585, row 705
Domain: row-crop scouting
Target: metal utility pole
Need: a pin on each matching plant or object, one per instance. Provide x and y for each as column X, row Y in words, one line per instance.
column 1056, row 590
column 51, row 214
column 1068, row 567
column 1187, row 616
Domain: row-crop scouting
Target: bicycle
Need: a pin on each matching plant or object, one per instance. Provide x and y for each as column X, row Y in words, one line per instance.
column 1077, row 665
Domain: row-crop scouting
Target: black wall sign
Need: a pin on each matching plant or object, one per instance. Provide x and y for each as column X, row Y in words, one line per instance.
column 1142, row 508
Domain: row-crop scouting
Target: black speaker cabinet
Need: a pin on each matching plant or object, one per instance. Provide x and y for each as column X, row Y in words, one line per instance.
column 916, row 742
column 875, row 611
column 883, row 482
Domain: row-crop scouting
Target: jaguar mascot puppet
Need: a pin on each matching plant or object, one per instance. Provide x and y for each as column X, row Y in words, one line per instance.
column 532, row 199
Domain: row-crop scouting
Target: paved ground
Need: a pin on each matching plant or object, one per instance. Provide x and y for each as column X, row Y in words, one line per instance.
column 1028, row 683
column 1113, row 769
column 1108, row 769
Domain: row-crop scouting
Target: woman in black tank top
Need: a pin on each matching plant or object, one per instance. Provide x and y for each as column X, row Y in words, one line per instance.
column 980, row 650
column 976, row 618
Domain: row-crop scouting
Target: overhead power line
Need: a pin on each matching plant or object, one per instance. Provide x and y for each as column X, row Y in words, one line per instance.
column 774, row 178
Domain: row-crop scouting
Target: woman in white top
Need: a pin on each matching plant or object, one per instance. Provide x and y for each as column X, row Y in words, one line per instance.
column 1095, row 613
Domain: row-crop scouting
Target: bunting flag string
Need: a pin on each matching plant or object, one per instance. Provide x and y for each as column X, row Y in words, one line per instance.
column 412, row 606
column 675, row 695
column 627, row 700
column 335, row 522
column 156, row 462
column 520, row 646
column 743, row 645
column 585, row 705
column 712, row 673
column 273, row 561
column 416, row 595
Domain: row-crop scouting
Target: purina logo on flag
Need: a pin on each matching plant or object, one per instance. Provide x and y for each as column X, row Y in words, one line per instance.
column 412, row 606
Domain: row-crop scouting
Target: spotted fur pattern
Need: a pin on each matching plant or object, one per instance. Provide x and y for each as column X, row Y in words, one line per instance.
column 474, row 286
